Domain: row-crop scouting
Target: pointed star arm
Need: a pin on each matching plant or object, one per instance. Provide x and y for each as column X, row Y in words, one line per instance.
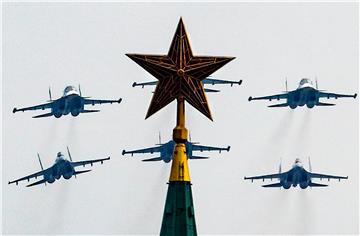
column 157, row 65
column 165, row 92
column 202, row 67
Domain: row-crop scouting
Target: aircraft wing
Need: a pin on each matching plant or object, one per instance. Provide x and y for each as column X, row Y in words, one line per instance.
column 209, row 80
column 144, row 84
column 35, row 175
column 98, row 101
column 336, row 95
column 323, row 176
column 271, row 97
column 37, row 107
column 271, row 176
column 88, row 162
column 142, row 151
column 205, row 81
column 208, row 148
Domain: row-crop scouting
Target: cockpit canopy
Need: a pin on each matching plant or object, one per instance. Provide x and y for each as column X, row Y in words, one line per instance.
column 305, row 81
column 297, row 162
column 59, row 156
column 70, row 90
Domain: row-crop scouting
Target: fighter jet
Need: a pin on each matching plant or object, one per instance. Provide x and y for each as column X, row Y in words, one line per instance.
column 166, row 150
column 208, row 80
column 71, row 102
column 62, row 167
column 305, row 94
column 297, row 175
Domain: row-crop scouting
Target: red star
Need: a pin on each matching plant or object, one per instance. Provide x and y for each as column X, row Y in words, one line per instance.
column 179, row 73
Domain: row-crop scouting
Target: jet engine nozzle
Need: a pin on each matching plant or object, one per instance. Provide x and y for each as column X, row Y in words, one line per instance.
column 304, row 185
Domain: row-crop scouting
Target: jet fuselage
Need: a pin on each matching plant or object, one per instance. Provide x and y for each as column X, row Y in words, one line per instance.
column 305, row 94
column 168, row 149
column 70, row 102
column 62, row 167
column 296, row 176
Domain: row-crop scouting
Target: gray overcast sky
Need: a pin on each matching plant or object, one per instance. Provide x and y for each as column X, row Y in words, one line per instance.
column 56, row 44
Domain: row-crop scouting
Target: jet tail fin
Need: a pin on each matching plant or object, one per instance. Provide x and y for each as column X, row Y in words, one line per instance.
column 153, row 159
column 43, row 115
column 275, row 185
column 50, row 94
column 279, row 105
column 88, row 111
column 311, row 184
column 198, row 157
column 37, row 183
column 325, row 104
column 159, row 139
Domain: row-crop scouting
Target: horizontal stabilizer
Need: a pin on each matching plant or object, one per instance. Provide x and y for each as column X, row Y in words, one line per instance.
column 153, row 159
column 88, row 111
column 279, row 105
column 211, row 90
column 276, row 185
column 37, row 183
column 317, row 185
column 43, row 115
column 325, row 104
column 198, row 157
column 81, row 172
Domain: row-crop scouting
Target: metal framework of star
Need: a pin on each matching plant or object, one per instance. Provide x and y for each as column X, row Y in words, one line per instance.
column 179, row 73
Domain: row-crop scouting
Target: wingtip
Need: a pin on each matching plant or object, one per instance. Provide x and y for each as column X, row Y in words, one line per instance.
column 120, row 99
column 355, row 95
column 14, row 110
column 228, row 148
column 134, row 84
column 240, row 82
column 250, row 98
column 123, row 152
